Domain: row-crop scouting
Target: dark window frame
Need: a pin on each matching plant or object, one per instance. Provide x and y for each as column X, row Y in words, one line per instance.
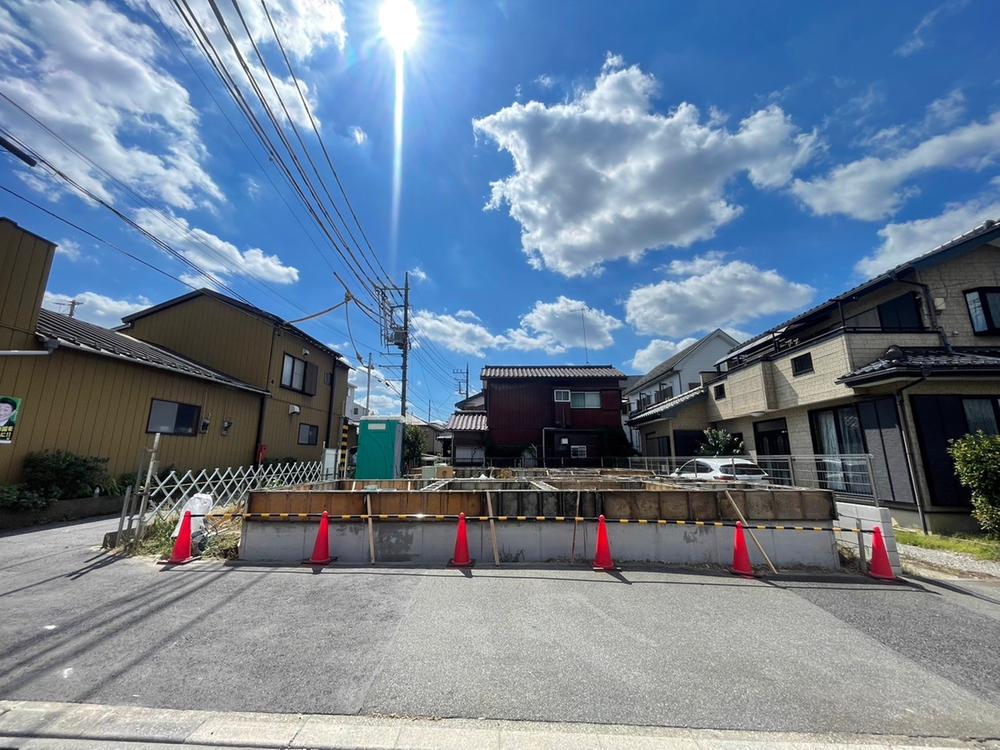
column 994, row 402
column 719, row 391
column 884, row 307
column 808, row 368
column 195, row 423
column 314, row 433
column 992, row 326
column 310, row 375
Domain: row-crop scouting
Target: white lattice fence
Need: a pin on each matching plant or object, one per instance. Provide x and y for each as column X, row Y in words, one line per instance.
column 228, row 486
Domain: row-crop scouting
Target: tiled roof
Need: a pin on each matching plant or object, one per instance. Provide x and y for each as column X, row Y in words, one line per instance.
column 986, row 231
column 926, row 360
column 666, row 408
column 78, row 334
column 671, row 362
column 467, row 421
column 555, row 371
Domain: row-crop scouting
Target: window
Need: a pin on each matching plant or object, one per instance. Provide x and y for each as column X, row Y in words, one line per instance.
column 562, row 397
column 578, row 451
column 695, row 468
column 171, row 418
column 299, row 375
column 719, row 391
column 308, row 434
column 802, row 364
column 837, row 430
column 900, row 314
column 585, row 400
column 981, row 414
column 664, row 393
column 984, row 310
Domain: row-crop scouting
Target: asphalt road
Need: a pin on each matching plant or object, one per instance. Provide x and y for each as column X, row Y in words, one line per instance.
column 666, row 648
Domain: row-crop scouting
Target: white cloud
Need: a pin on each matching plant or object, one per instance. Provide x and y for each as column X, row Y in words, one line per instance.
column 419, row 275
column 906, row 240
column 552, row 327
column 69, row 250
column 252, row 187
column 385, row 391
column 96, row 308
column 872, row 188
column 545, row 81
column 604, row 176
column 917, row 39
column 213, row 254
column 657, row 350
column 941, row 113
column 360, row 136
column 710, row 293
column 97, row 78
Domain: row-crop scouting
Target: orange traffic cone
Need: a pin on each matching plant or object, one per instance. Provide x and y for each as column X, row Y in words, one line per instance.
column 880, row 566
column 602, row 556
column 461, row 558
column 741, row 555
column 182, row 547
column 321, row 550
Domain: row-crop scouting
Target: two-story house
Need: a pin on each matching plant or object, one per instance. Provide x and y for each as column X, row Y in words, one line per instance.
column 465, row 435
column 679, row 373
column 562, row 414
column 306, row 381
column 892, row 369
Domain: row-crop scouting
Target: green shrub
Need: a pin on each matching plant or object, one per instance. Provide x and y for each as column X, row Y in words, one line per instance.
column 977, row 464
column 61, row 475
column 16, row 497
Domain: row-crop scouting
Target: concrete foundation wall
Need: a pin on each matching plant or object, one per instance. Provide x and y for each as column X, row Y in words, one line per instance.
column 432, row 543
column 855, row 515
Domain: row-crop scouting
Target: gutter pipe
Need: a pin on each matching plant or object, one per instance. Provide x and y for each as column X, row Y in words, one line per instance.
column 907, row 452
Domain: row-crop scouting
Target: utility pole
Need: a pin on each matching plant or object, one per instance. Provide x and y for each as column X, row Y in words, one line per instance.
column 583, row 320
column 428, row 411
column 406, row 339
column 458, row 374
column 368, row 388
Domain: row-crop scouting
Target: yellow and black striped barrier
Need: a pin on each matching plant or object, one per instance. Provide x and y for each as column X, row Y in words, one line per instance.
column 520, row 519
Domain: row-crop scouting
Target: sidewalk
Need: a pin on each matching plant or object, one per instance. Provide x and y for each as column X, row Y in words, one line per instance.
column 31, row 725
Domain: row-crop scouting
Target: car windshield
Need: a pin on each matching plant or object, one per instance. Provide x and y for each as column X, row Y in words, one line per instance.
column 741, row 470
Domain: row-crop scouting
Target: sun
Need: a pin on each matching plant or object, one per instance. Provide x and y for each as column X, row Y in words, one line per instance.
column 400, row 24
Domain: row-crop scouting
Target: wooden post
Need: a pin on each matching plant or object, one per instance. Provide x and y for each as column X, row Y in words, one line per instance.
column 493, row 530
column 576, row 515
column 371, row 528
column 750, row 531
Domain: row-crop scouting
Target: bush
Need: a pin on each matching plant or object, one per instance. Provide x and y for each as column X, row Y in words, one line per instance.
column 18, row 497
column 977, row 465
column 61, row 475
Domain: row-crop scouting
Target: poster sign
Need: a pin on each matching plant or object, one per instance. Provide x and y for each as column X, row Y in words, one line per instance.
column 10, row 408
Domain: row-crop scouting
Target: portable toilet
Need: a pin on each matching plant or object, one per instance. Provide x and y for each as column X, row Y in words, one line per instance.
column 380, row 448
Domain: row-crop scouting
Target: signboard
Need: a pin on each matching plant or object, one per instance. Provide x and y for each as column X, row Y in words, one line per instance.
column 10, row 408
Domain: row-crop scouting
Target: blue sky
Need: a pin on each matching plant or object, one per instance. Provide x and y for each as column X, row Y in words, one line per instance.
column 644, row 172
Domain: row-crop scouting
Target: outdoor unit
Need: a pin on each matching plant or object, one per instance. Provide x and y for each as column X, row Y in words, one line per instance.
column 380, row 448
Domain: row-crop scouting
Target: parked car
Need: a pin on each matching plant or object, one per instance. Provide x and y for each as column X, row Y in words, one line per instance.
column 721, row 469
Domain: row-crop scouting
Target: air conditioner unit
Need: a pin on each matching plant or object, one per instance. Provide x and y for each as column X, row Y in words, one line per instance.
column 294, row 409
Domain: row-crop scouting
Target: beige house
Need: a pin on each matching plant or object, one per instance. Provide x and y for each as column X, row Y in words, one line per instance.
column 869, row 386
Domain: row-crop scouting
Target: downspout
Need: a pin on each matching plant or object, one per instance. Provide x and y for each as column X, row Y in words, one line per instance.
column 931, row 312
column 263, row 400
column 905, row 432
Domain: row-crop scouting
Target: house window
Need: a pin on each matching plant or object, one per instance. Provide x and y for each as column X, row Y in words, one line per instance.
column 664, row 393
column 982, row 414
column 837, row 430
column 172, row 418
column 900, row 314
column 308, row 434
column 984, row 310
column 561, row 397
column 802, row 364
column 719, row 391
column 299, row 375
column 578, row 451
column 585, row 400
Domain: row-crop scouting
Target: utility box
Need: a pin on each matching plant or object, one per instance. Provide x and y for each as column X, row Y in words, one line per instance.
column 380, row 448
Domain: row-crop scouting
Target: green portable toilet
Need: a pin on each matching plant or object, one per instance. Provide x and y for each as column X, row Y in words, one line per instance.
column 380, row 448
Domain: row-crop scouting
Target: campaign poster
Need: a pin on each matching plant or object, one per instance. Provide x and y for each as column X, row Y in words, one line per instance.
column 10, row 408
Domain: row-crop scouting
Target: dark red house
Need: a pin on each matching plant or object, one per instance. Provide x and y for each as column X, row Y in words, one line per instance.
column 566, row 414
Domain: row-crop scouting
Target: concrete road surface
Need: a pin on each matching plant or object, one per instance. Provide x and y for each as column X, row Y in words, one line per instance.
column 649, row 648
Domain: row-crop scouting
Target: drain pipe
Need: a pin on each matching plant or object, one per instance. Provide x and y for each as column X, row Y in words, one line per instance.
column 931, row 312
column 907, row 452
column 50, row 346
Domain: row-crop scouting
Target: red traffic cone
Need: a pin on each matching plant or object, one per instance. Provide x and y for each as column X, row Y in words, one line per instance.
column 880, row 566
column 182, row 547
column 741, row 555
column 321, row 550
column 461, row 558
column 602, row 556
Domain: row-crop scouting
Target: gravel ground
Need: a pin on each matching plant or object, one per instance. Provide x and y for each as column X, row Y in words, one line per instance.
column 950, row 561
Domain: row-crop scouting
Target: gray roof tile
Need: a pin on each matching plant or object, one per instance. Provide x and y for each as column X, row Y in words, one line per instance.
column 552, row 371
column 467, row 421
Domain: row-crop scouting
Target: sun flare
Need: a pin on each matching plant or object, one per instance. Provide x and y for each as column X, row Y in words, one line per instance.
column 400, row 24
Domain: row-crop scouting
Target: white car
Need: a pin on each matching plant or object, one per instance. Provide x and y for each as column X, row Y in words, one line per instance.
column 722, row 469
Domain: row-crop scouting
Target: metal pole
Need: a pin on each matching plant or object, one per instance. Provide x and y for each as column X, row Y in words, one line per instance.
column 121, row 520
column 406, row 339
column 150, row 471
column 368, row 391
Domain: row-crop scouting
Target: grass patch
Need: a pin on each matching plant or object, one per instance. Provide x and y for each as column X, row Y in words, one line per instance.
column 156, row 540
column 980, row 547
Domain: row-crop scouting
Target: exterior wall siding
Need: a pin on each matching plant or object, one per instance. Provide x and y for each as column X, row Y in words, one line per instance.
column 948, row 283
column 99, row 406
column 26, row 261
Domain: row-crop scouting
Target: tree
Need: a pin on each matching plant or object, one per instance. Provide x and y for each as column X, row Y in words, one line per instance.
column 977, row 465
column 413, row 445
column 720, row 443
